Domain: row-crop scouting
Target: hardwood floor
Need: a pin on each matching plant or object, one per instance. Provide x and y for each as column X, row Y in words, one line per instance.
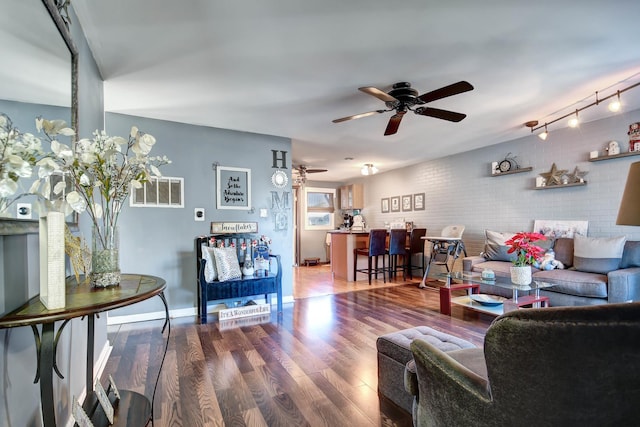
column 313, row 366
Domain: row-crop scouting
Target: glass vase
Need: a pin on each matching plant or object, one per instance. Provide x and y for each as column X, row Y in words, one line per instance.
column 105, row 259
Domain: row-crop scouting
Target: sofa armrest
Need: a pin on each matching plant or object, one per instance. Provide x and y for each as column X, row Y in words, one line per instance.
column 442, row 374
column 469, row 261
column 624, row 285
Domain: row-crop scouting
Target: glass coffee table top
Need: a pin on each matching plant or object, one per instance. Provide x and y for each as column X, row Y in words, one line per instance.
column 502, row 282
column 490, row 304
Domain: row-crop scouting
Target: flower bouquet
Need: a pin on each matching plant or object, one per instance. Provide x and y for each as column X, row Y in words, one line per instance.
column 526, row 254
column 102, row 171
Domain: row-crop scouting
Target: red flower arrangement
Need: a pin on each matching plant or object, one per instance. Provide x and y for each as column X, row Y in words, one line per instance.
column 522, row 245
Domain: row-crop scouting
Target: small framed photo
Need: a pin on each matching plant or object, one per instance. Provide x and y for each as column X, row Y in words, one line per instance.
column 406, row 203
column 418, row 202
column 395, row 204
column 384, row 205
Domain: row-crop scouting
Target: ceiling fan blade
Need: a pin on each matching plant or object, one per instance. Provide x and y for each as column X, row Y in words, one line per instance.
column 358, row 116
column 452, row 116
column 394, row 122
column 383, row 96
column 443, row 92
column 316, row 170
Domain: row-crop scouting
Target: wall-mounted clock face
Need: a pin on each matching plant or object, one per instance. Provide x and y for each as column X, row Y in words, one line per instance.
column 279, row 179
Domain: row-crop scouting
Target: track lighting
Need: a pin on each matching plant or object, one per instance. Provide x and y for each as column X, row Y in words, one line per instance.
column 573, row 122
column 369, row 169
column 543, row 135
column 613, row 106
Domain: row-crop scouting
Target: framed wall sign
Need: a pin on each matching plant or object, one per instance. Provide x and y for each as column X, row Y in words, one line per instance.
column 395, row 204
column 233, row 188
column 234, row 227
column 406, row 203
column 384, row 205
column 418, row 202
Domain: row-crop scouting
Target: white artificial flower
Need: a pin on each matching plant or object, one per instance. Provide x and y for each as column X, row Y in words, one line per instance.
column 62, row 151
column 8, row 187
column 59, row 187
column 143, row 145
column 46, row 167
column 97, row 210
column 76, row 202
column 155, row 170
column 136, row 184
column 85, row 181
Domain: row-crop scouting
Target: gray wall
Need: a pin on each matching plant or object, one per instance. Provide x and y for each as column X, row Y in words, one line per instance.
column 460, row 190
column 160, row 241
column 19, row 397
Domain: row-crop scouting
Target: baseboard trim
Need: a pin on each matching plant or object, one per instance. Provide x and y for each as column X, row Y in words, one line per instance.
column 173, row 314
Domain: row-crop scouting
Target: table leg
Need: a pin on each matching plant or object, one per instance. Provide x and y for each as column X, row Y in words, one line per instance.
column 45, row 347
column 445, row 300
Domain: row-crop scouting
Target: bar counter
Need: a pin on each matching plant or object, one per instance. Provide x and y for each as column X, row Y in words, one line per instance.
column 342, row 245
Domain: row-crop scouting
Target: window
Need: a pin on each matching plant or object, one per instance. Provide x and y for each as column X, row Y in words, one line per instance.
column 162, row 192
column 320, row 209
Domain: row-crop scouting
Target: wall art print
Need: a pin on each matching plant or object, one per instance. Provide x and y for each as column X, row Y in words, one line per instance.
column 233, row 188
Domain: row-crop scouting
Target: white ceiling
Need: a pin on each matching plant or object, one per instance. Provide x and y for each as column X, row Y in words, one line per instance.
column 289, row 67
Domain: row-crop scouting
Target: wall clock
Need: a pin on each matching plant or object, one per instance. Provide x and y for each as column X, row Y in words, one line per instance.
column 279, row 179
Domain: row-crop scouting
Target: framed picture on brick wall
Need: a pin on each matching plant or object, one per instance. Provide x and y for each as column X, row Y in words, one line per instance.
column 418, row 202
column 384, row 205
column 407, row 202
column 395, row 204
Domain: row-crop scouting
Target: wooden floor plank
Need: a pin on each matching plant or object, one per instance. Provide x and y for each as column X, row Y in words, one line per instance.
column 314, row 365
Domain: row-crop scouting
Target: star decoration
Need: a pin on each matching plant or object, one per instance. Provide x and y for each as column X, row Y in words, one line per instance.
column 554, row 176
column 577, row 175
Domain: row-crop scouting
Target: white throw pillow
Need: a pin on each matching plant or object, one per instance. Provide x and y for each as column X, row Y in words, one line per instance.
column 210, row 272
column 227, row 263
column 597, row 254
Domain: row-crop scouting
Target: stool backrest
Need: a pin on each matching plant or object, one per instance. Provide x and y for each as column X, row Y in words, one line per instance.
column 416, row 243
column 453, row 231
column 377, row 242
column 398, row 241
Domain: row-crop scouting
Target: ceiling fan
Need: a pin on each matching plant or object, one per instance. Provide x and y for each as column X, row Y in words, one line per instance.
column 402, row 98
column 303, row 170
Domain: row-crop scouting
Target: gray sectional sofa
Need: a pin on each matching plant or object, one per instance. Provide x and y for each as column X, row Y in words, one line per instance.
column 589, row 278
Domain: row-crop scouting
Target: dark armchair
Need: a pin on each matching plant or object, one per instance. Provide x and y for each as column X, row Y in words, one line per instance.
column 565, row 366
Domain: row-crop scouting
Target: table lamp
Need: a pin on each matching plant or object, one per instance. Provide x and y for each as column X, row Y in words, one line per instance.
column 629, row 213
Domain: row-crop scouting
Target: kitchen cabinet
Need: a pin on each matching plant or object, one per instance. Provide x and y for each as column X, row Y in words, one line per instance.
column 352, row 196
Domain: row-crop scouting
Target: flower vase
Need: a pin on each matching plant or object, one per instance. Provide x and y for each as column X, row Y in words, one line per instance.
column 521, row 275
column 105, row 260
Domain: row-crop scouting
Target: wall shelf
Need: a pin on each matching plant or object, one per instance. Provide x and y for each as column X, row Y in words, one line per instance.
column 520, row 170
column 549, row 187
column 615, row 156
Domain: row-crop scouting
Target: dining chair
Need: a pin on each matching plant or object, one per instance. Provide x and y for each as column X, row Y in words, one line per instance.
column 376, row 248
column 397, row 248
column 416, row 246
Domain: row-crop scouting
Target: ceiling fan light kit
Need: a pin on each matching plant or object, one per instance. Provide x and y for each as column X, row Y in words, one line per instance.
column 402, row 98
column 369, row 169
column 614, row 106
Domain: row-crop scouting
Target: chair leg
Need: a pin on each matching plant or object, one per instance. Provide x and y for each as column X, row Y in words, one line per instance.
column 369, row 271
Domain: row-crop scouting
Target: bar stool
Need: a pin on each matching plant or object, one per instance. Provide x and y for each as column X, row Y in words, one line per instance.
column 416, row 246
column 397, row 247
column 377, row 243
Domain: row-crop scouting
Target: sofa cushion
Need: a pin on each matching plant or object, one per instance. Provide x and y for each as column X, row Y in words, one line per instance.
column 210, row 272
column 227, row 263
column 494, row 247
column 563, row 248
column 631, row 255
column 574, row 282
column 597, row 254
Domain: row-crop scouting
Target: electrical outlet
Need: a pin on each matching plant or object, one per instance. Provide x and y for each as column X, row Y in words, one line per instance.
column 263, row 213
column 23, row 210
column 198, row 214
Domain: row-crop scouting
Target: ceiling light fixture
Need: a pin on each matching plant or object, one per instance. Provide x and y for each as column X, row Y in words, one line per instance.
column 543, row 135
column 574, row 120
column 614, row 106
column 369, row 169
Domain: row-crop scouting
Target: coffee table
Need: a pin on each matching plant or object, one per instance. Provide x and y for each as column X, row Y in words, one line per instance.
column 471, row 282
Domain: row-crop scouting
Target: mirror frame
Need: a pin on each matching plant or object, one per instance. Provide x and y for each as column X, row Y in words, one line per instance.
column 26, row 226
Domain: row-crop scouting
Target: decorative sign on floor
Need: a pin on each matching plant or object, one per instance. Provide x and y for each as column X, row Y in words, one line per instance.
column 248, row 310
column 234, row 227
